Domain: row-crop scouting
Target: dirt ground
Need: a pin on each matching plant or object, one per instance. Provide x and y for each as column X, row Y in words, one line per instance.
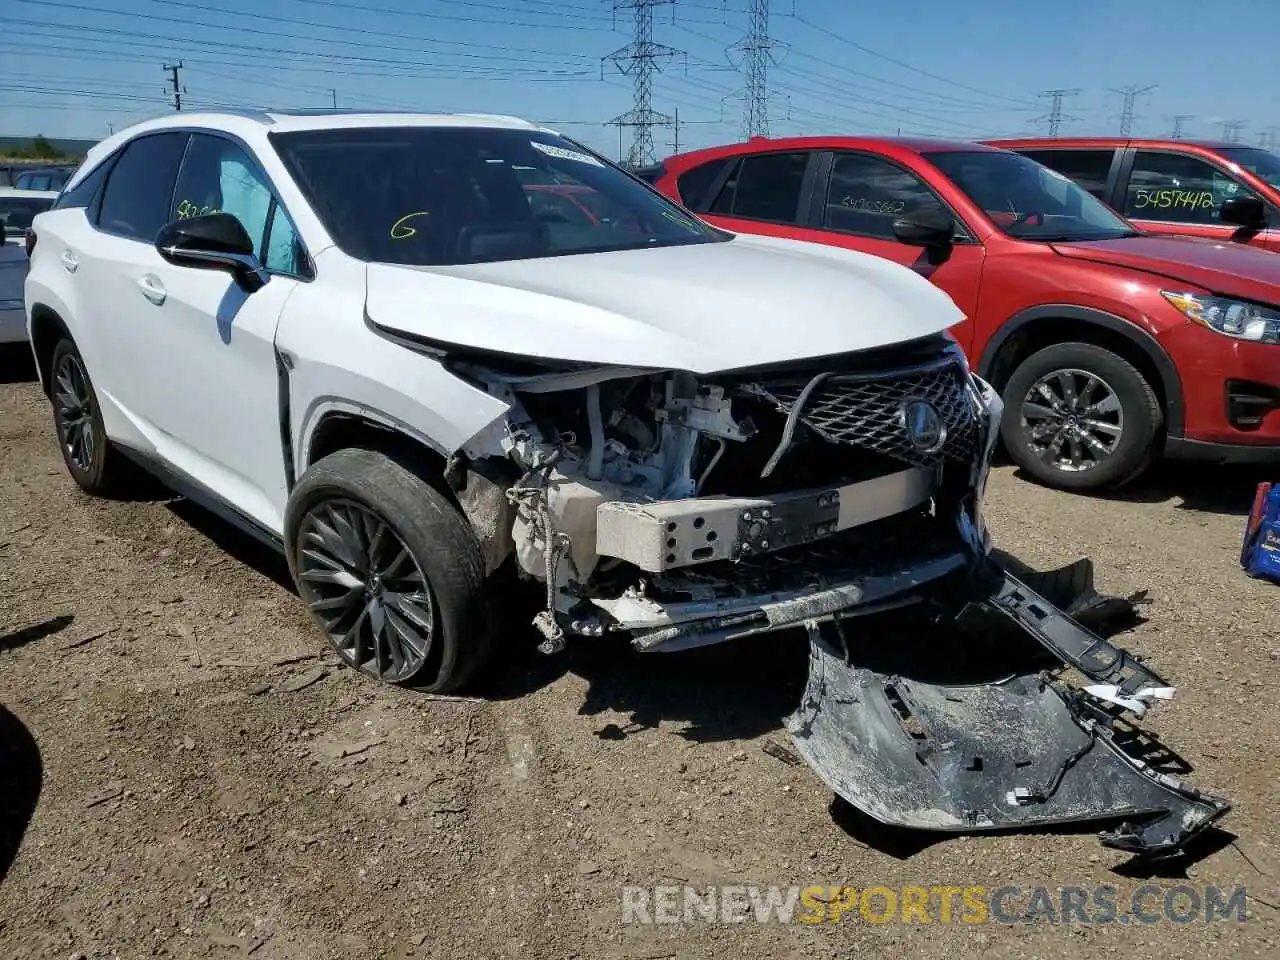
column 187, row 773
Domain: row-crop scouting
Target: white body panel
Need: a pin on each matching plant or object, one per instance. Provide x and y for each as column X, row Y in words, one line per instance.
column 704, row 308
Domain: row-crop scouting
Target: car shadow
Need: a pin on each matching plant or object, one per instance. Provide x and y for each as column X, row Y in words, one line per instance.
column 17, row 365
column 1199, row 487
column 21, row 778
column 234, row 542
column 37, row 631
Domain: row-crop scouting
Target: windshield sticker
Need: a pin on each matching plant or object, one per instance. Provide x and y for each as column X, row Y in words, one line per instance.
column 1173, row 199
column 400, row 230
column 561, row 153
column 867, row 205
column 187, row 210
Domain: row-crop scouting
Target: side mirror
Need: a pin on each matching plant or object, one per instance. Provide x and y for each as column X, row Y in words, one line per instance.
column 214, row 242
column 930, row 226
column 1247, row 212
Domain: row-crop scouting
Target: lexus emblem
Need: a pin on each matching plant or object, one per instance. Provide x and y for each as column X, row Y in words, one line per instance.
column 924, row 426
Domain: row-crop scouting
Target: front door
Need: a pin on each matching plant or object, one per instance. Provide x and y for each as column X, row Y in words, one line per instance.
column 1182, row 195
column 856, row 206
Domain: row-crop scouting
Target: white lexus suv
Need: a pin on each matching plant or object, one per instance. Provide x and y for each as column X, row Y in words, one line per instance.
column 423, row 354
column 412, row 351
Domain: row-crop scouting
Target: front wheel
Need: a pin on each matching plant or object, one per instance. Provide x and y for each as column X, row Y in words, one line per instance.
column 390, row 569
column 1079, row 417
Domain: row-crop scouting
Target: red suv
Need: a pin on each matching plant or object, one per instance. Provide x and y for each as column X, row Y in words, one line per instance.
column 1108, row 346
column 1223, row 191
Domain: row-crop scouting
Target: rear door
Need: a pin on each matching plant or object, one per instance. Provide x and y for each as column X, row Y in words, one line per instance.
column 1169, row 192
column 857, row 200
column 762, row 193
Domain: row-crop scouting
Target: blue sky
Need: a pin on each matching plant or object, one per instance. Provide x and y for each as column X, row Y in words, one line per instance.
column 936, row 67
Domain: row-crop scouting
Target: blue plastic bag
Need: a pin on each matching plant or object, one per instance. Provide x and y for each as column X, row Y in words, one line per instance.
column 1260, row 553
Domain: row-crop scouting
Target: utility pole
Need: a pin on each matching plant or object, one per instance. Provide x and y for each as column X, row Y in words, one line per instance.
column 640, row 59
column 756, row 50
column 1178, row 123
column 1130, row 94
column 178, row 89
column 334, row 93
column 1231, row 130
column 1055, row 117
column 675, row 125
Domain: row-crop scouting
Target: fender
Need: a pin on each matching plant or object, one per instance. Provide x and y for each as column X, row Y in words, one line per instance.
column 1170, row 382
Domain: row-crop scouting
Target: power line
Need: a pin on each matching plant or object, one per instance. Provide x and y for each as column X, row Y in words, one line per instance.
column 906, row 66
column 1130, row 94
column 640, row 59
column 756, row 49
column 1055, row 117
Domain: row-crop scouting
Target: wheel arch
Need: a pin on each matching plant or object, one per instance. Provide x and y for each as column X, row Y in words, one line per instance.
column 341, row 426
column 47, row 328
column 1037, row 327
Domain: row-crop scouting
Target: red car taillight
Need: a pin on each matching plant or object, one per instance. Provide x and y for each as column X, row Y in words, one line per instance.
column 30, row 241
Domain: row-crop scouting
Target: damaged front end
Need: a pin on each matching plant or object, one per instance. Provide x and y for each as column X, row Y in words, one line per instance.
column 685, row 510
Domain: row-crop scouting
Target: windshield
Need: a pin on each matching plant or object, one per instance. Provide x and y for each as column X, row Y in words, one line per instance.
column 434, row 196
column 1261, row 163
column 16, row 213
column 1029, row 201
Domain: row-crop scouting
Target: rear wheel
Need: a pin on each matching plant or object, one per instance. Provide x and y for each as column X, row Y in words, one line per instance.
column 77, row 420
column 390, row 569
column 1079, row 417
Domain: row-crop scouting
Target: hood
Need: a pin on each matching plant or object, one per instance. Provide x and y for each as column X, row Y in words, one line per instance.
column 704, row 308
column 1227, row 268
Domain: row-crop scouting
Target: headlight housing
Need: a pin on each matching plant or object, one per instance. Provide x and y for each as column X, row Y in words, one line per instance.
column 1234, row 318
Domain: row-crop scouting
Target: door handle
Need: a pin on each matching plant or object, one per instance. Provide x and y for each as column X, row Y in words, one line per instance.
column 152, row 289
column 69, row 261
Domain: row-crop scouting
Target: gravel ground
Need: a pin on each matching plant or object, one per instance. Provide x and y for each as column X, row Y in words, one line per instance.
column 186, row 772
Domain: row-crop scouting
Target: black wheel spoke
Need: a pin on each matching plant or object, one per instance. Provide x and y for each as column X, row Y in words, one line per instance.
column 73, row 412
column 364, row 585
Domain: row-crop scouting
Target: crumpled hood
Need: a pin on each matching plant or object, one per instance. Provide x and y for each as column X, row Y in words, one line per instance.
column 702, row 308
column 1228, row 268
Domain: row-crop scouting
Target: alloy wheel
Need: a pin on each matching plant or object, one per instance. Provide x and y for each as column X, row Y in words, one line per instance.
column 73, row 408
column 1072, row 420
column 365, row 587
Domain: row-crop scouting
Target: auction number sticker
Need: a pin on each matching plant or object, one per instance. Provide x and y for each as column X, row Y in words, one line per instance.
column 560, row 153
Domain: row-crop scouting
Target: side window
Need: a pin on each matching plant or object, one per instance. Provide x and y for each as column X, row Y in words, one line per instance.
column 1088, row 168
column 136, row 201
column 694, row 184
column 218, row 177
column 283, row 251
column 1177, row 188
column 866, row 194
column 766, row 186
column 81, row 195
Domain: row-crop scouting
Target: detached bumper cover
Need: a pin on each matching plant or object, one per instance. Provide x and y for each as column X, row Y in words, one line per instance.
column 1016, row 751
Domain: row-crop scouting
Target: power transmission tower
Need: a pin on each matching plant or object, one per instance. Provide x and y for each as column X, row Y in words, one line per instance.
column 756, row 50
column 640, row 59
column 1055, row 117
column 1267, row 139
column 1231, row 130
column 1130, row 94
column 1178, row 123
column 178, row 89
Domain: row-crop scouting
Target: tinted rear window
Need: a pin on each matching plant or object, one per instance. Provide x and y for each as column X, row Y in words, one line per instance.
column 16, row 213
column 140, row 187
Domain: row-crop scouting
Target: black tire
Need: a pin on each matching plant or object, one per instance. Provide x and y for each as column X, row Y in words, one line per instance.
column 1137, row 418
column 77, row 421
column 359, row 483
